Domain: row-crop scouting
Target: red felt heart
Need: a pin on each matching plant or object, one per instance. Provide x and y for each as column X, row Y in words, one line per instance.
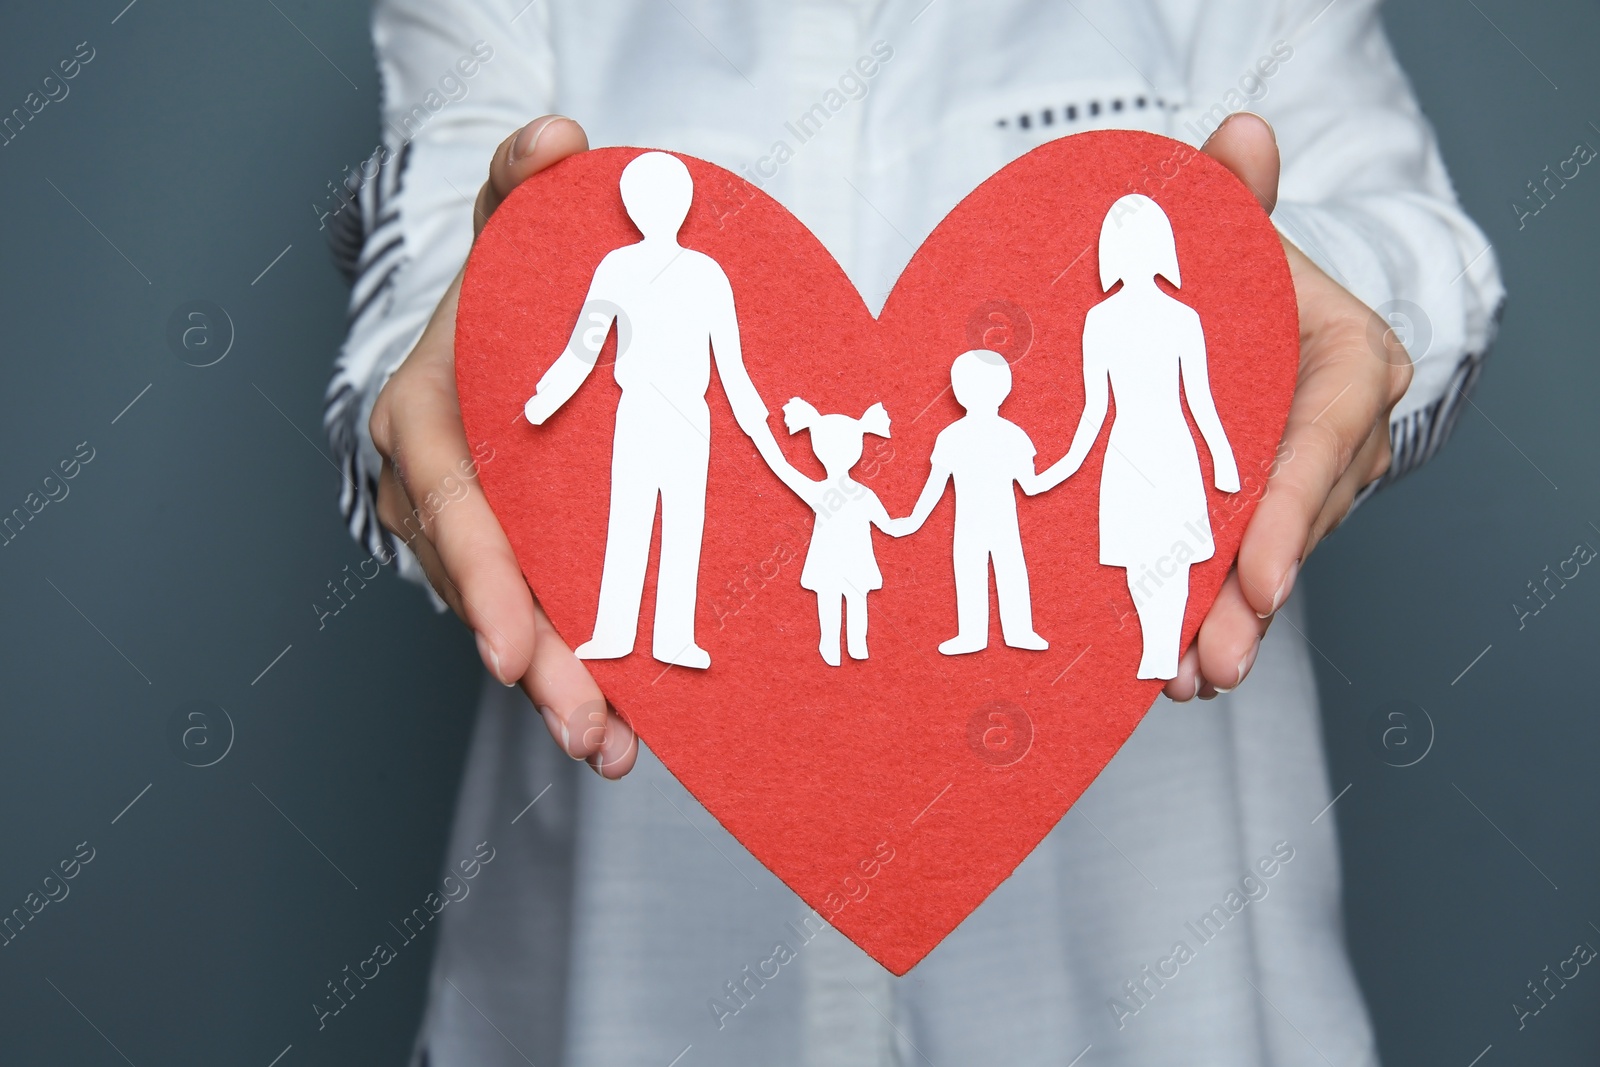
column 892, row 794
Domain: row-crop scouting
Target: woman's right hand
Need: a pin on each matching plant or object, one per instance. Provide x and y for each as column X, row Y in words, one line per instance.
column 416, row 426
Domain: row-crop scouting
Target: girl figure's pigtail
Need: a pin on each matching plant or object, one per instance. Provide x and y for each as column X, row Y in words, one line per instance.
column 875, row 421
column 799, row 415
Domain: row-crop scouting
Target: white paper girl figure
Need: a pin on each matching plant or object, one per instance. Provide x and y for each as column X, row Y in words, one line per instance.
column 1153, row 519
column 840, row 567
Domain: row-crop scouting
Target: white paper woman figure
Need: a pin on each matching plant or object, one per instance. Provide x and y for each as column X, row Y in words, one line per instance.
column 1153, row 518
column 674, row 308
column 841, row 567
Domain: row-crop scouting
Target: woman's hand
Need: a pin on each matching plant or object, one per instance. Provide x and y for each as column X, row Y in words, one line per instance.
column 1226, row 475
column 416, row 426
column 1336, row 441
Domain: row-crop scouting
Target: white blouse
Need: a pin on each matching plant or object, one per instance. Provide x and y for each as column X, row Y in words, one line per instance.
column 619, row 924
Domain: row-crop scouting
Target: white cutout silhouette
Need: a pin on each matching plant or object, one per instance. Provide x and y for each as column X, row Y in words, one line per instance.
column 984, row 454
column 674, row 309
column 840, row 564
column 1153, row 518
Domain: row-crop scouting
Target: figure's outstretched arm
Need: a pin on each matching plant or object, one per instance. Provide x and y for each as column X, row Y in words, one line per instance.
column 1096, row 399
column 1197, row 389
column 881, row 519
column 569, row 370
column 749, row 410
column 1035, row 483
column 803, row 487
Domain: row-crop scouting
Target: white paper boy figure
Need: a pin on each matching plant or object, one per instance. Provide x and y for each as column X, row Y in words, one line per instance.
column 840, row 564
column 985, row 454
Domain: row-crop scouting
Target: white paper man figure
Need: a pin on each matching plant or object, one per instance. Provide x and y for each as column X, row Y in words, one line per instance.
column 674, row 309
column 841, row 566
column 985, row 455
column 1153, row 518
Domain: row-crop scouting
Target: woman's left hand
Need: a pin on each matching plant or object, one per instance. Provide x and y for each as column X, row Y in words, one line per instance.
column 1226, row 475
column 1336, row 441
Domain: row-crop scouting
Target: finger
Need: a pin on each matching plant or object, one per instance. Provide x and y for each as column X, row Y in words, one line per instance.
column 482, row 620
column 1185, row 685
column 401, row 519
column 478, row 572
column 409, row 511
column 531, row 149
column 433, row 570
column 1246, row 145
column 1336, row 404
column 1228, row 639
column 616, row 757
column 398, row 516
column 574, row 709
column 1369, row 465
column 392, row 505
column 558, row 683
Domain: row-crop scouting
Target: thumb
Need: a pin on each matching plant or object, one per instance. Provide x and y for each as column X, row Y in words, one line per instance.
column 1246, row 145
column 539, row 144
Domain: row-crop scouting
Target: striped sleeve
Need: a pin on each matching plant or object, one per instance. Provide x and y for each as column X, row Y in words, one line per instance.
column 1416, row 435
column 369, row 247
column 458, row 77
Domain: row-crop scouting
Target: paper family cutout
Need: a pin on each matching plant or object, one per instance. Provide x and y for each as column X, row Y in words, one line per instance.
column 1140, row 345
column 956, row 766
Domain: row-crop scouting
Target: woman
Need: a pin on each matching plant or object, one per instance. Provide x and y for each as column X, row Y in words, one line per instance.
column 618, row 915
column 1153, row 519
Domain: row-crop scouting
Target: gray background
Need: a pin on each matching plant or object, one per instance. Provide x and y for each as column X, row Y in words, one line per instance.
column 188, row 552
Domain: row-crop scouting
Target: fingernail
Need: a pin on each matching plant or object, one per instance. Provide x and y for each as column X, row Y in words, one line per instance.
column 1283, row 590
column 527, row 139
column 1255, row 115
column 557, row 725
column 491, row 659
column 1245, row 665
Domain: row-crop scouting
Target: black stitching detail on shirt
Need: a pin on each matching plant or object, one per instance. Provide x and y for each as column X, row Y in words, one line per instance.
column 1070, row 113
